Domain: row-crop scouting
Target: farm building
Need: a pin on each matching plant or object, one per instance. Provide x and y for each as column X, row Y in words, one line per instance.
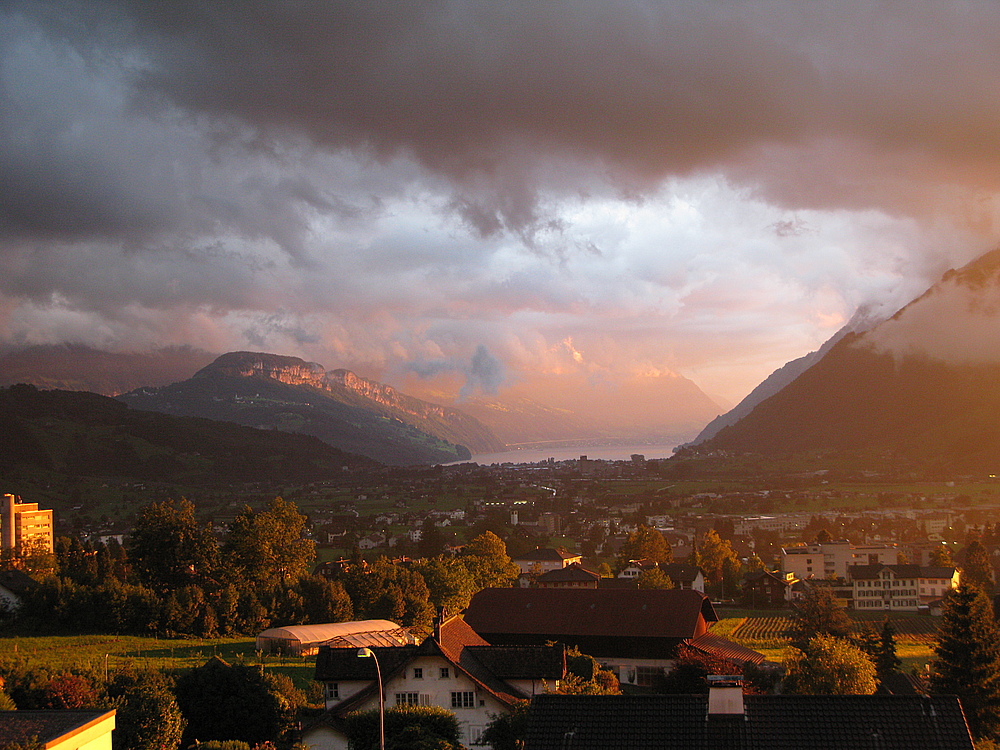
column 304, row 640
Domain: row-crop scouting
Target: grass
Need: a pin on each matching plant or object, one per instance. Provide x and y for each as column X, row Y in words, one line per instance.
column 95, row 652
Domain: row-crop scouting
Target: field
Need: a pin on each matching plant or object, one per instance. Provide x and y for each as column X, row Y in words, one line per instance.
column 768, row 633
column 100, row 652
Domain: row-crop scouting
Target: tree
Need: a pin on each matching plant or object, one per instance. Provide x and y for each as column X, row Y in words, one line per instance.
column 168, row 548
column 148, row 717
column 325, row 600
column 268, row 547
column 714, row 552
column 645, row 543
column 449, row 582
column 654, row 578
column 406, row 728
column 830, row 666
column 886, row 659
column 507, row 731
column 233, row 702
column 487, row 560
column 978, row 571
column 941, row 557
column 818, row 614
column 690, row 670
column 967, row 659
column 585, row 676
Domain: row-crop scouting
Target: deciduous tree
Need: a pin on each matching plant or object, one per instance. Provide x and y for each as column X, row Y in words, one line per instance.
column 487, row 560
column 168, row 548
column 830, row 666
column 645, row 543
column 818, row 614
column 654, row 578
column 267, row 547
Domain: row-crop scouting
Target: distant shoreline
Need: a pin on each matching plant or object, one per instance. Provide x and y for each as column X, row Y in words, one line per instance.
column 566, row 453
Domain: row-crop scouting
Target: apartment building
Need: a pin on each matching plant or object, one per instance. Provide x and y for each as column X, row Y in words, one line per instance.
column 831, row 559
column 22, row 522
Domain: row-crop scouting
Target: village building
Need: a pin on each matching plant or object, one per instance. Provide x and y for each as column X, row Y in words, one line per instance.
column 544, row 559
column 900, row 587
column 22, row 523
column 763, row 588
column 57, row 730
column 633, row 632
column 831, row 559
column 305, row 640
column 725, row 719
column 573, row 576
column 453, row 668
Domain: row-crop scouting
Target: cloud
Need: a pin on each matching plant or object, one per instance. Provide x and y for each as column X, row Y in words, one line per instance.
column 701, row 188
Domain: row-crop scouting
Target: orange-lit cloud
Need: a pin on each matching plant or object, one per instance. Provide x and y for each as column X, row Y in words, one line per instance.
column 476, row 192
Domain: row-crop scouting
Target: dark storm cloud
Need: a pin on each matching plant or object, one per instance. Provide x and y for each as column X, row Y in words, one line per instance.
column 402, row 181
column 890, row 102
column 645, row 89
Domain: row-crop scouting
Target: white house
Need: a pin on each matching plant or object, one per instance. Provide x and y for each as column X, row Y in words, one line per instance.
column 899, row 587
column 453, row 668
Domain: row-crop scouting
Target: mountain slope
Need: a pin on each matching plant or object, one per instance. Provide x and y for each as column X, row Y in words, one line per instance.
column 73, row 367
column 922, row 387
column 338, row 407
column 861, row 321
column 84, row 434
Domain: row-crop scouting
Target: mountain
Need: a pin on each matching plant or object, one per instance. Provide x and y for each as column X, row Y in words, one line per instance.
column 83, row 434
column 74, row 367
column 344, row 410
column 921, row 388
column 861, row 321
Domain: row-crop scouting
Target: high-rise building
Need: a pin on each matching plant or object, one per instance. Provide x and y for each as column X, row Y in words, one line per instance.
column 22, row 522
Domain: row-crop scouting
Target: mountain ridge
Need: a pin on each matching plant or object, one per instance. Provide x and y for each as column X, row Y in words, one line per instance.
column 342, row 409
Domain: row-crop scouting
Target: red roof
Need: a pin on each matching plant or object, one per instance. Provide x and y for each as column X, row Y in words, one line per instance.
column 657, row 613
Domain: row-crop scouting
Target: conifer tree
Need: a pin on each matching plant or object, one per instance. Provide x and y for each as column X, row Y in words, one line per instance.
column 978, row 570
column 968, row 659
column 886, row 659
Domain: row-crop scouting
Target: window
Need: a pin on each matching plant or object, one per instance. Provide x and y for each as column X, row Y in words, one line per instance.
column 418, row 673
column 444, row 673
column 331, row 690
column 407, row 699
column 465, row 699
column 647, row 676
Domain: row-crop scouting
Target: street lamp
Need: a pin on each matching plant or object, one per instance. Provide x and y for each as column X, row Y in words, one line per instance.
column 364, row 653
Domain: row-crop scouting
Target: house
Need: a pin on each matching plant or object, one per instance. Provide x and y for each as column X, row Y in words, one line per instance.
column 633, row 632
column 14, row 584
column 725, row 719
column 831, row 559
column 573, row 576
column 900, row 587
column 683, row 576
column 763, row 588
column 58, row 730
column 304, row 640
column 544, row 559
column 453, row 668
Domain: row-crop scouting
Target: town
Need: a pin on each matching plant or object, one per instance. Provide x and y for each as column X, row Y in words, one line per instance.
column 446, row 574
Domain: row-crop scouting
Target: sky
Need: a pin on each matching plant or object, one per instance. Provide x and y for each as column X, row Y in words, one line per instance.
column 463, row 196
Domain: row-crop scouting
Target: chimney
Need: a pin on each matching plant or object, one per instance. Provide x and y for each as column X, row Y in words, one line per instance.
column 725, row 695
column 439, row 619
